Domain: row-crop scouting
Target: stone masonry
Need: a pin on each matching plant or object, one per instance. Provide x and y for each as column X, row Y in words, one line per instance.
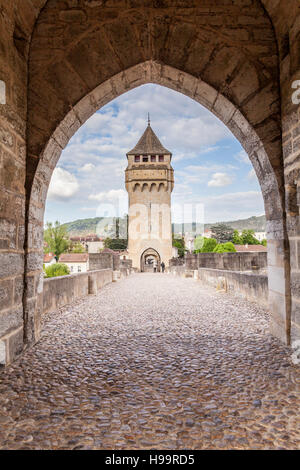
column 184, row 369
column 149, row 183
column 61, row 60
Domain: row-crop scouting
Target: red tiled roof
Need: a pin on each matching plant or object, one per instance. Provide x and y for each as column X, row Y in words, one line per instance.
column 108, row 250
column 48, row 257
column 87, row 238
column 249, row 248
column 74, row 258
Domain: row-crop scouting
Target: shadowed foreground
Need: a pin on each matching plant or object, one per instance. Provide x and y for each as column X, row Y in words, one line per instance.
column 153, row 362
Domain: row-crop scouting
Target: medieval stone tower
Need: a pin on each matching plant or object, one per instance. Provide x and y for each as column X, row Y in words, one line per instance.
column 149, row 183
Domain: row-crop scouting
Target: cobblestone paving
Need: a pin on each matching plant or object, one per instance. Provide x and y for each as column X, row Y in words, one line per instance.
column 153, row 361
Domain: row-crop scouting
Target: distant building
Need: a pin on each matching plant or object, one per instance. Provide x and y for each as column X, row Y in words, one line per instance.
column 189, row 241
column 49, row 259
column 92, row 243
column 76, row 262
column 260, row 236
column 207, row 233
column 174, row 252
column 149, row 183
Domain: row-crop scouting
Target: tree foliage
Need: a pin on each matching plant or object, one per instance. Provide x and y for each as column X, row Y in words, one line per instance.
column 225, row 248
column 57, row 269
column 248, row 238
column 198, row 244
column 56, row 239
column 179, row 244
column 208, row 245
column 76, row 247
column 115, row 243
column 222, row 233
column 237, row 239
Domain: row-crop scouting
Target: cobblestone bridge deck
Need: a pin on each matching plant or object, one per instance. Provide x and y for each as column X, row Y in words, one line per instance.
column 152, row 362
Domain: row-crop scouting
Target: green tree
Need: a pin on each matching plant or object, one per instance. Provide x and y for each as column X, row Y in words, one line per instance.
column 225, row 248
column 222, row 233
column 237, row 239
column 57, row 269
column 115, row 243
column 209, row 245
column 76, row 248
column 198, row 244
column 179, row 244
column 56, row 239
column 264, row 242
column 249, row 238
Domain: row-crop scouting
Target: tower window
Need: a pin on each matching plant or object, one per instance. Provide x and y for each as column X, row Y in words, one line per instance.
column 153, row 158
column 161, row 158
column 145, row 159
column 136, row 159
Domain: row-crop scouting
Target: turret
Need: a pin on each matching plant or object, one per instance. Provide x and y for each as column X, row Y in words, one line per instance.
column 149, row 179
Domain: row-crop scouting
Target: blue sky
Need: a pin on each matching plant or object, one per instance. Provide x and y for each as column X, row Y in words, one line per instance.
column 210, row 166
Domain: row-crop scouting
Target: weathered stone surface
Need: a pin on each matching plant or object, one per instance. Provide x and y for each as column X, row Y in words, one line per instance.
column 190, row 370
column 11, row 264
column 63, row 290
column 10, row 320
column 6, row 294
column 15, row 344
column 246, row 51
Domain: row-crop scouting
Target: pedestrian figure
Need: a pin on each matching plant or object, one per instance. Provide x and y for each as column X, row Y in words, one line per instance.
column 163, row 267
column 154, row 266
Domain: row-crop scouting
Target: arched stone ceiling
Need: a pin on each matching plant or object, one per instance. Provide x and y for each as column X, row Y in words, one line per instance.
column 78, row 44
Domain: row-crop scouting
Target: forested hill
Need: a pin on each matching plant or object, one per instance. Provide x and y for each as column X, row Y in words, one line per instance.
column 82, row 226
column 88, row 226
column 258, row 224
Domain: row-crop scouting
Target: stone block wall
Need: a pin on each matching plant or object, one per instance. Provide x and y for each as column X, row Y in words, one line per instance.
column 63, row 290
column 15, row 33
column 252, row 287
column 101, row 261
column 229, row 261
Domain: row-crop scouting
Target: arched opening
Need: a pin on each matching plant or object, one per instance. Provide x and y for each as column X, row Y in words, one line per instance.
column 150, row 261
column 153, row 72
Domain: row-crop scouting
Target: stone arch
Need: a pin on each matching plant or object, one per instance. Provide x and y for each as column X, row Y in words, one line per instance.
column 161, row 187
column 153, row 187
column 39, row 41
column 154, row 72
column 150, row 252
column 145, row 187
column 137, row 187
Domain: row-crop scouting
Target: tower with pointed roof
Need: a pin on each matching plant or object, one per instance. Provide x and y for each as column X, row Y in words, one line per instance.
column 149, row 183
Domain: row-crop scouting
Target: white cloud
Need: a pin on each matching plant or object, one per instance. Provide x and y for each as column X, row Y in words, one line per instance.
column 88, row 167
column 220, row 179
column 108, row 196
column 233, row 206
column 63, row 185
column 243, row 157
column 111, row 203
column 252, row 175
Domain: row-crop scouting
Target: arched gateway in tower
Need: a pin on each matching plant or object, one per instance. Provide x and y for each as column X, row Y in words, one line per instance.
column 149, row 183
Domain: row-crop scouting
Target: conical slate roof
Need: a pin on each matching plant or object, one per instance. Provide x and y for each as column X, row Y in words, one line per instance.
column 149, row 144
